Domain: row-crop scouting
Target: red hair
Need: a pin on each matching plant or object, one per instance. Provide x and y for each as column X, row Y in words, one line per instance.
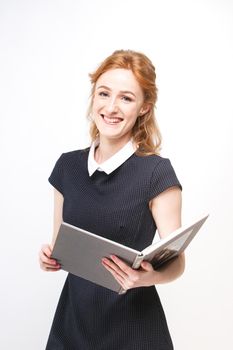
column 145, row 133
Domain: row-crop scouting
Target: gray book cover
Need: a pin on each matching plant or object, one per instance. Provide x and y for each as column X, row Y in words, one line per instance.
column 80, row 252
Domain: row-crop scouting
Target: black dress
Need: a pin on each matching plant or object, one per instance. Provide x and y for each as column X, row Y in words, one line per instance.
column 91, row 317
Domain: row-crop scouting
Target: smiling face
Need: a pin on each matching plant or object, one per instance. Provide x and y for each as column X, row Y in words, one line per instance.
column 117, row 103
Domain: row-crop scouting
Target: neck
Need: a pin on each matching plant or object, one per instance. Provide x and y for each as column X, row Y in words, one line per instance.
column 107, row 148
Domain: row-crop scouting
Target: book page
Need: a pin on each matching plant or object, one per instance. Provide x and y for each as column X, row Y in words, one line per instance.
column 169, row 250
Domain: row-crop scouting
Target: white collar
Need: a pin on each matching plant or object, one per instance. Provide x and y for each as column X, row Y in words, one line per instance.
column 113, row 162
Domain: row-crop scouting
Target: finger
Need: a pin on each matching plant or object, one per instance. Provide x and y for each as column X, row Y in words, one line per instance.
column 46, row 266
column 123, row 266
column 118, row 277
column 45, row 260
column 49, row 266
column 114, row 267
column 147, row 266
column 44, row 256
column 51, row 269
column 125, row 282
column 47, row 250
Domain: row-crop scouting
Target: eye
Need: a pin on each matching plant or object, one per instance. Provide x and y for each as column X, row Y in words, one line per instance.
column 103, row 94
column 127, row 98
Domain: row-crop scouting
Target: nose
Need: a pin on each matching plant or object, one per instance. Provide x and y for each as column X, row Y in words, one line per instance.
column 111, row 105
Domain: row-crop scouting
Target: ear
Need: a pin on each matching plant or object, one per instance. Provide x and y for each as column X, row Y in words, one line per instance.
column 145, row 108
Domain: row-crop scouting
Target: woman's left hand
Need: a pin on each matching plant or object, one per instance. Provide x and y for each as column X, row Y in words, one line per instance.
column 130, row 278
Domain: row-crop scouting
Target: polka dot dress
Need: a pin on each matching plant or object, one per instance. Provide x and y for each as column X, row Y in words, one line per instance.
column 115, row 206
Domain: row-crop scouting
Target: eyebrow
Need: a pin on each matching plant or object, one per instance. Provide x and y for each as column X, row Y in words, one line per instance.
column 122, row 91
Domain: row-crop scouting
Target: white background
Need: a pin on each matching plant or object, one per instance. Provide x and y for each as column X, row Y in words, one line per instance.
column 47, row 49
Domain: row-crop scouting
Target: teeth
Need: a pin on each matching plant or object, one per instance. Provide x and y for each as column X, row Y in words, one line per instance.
column 111, row 120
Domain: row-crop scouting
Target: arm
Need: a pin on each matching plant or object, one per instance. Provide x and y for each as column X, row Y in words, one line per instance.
column 46, row 263
column 57, row 214
column 168, row 205
column 166, row 211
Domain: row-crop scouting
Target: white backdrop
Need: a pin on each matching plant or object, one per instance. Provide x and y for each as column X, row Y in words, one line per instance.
column 47, row 49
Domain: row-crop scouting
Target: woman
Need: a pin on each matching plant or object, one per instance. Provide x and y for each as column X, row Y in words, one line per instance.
column 121, row 188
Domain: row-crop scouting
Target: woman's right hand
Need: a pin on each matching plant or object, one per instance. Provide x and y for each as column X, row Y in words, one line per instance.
column 46, row 263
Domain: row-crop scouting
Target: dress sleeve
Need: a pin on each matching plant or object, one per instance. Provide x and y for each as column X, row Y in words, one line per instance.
column 162, row 178
column 56, row 177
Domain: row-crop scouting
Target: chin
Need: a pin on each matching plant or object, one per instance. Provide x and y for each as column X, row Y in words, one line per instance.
column 124, row 137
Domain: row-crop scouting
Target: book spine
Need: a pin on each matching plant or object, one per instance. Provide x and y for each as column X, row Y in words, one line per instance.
column 136, row 264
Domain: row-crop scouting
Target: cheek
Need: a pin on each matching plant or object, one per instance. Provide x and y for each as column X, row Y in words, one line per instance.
column 95, row 105
column 132, row 113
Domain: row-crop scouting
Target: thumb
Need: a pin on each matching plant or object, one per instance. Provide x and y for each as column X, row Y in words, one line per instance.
column 147, row 266
column 47, row 250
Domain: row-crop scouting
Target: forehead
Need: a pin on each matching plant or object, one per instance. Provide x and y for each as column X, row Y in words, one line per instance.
column 121, row 79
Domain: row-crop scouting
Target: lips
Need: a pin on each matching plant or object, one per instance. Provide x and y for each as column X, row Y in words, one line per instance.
column 111, row 120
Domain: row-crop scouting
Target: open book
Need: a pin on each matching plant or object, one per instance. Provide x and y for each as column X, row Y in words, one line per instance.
column 80, row 252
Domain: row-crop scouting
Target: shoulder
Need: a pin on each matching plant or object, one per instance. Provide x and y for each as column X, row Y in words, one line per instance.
column 151, row 162
column 74, row 154
column 158, row 171
column 71, row 158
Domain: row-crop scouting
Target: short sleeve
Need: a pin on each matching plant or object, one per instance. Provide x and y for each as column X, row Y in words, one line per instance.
column 56, row 177
column 162, row 178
